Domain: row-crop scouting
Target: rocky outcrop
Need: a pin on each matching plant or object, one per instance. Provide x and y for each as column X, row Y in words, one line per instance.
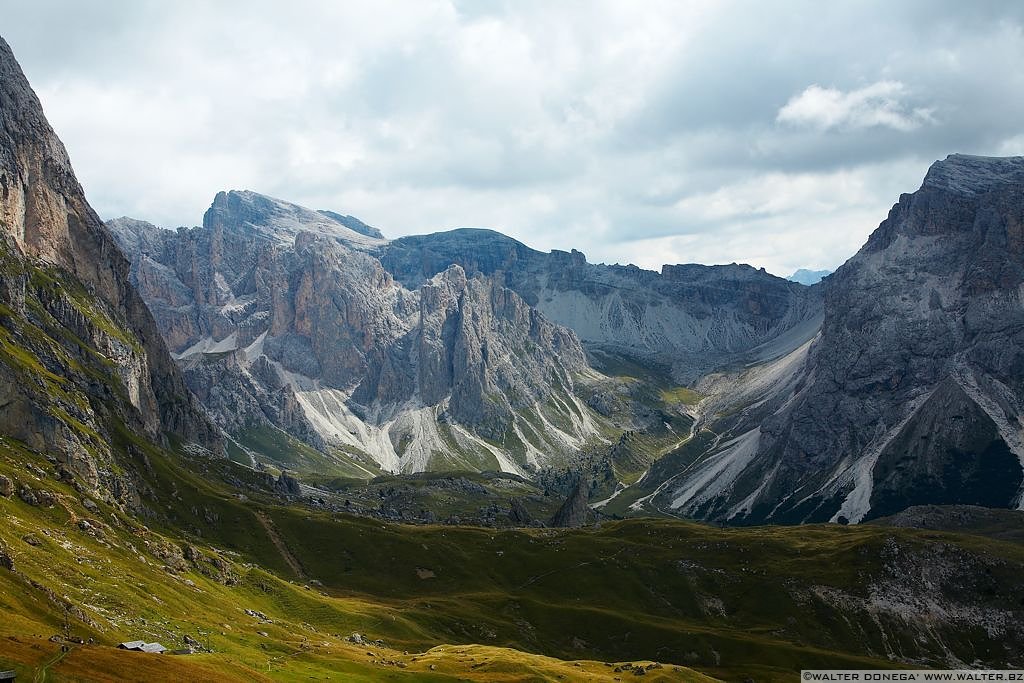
column 574, row 512
column 518, row 515
column 287, row 485
column 6, row 561
column 79, row 350
column 913, row 393
column 1007, row 525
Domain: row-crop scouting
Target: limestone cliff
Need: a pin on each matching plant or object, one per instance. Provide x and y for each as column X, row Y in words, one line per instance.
column 80, row 354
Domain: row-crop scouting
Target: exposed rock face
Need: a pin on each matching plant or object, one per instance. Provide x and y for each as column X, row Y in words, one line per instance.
column 692, row 318
column 353, row 223
column 482, row 346
column 518, row 515
column 447, row 343
column 308, row 333
column 913, row 393
column 5, row 559
column 79, row 347
column 245, row 212
column 287, row 485
column 574, row 512
column 201, row 282
column 970, row 519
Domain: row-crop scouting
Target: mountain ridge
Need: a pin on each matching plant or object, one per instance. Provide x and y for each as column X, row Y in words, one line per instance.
column 912, row 393
column 325, row 345
column 204, row 285
column 703, row 321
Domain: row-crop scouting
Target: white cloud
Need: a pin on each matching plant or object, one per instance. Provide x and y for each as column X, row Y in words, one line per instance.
column 878, row 104
column 780, row 221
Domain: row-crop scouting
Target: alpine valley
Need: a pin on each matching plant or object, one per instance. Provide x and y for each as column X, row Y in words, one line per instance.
column 291, row 448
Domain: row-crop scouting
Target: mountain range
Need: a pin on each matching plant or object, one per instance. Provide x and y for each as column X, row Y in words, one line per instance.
column 892, row 383
column 459, row 350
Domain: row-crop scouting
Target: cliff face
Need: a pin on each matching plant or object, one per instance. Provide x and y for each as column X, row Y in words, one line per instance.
column 306, row 332
column 691, row 318
column 913, row 392
column 79, row 346
column 479, row 344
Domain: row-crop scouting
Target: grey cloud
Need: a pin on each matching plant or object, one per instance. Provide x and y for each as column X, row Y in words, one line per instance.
column 642, row 132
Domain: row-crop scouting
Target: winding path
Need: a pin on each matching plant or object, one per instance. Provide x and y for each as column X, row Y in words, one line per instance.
column 291, row 560
column 41, row 673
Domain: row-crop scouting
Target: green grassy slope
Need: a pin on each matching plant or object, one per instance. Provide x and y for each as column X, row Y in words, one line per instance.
column 732, row 603
column 112, row 578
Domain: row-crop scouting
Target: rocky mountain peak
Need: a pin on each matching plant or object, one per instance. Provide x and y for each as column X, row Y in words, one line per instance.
column 912, row 392
column 42, row 206
column 955, row 194
column 442, row 291
column 280, row 319
column 968, row 174
column 280, row 221
column 691, row 318
column 806, row 276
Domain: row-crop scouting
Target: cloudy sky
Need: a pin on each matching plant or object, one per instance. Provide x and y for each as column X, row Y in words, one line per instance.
column 777, row 134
